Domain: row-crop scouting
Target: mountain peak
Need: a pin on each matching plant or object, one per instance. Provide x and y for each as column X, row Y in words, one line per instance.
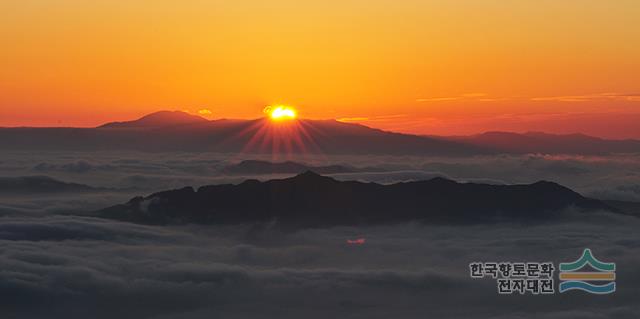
column 310, row 176
column 158, row 119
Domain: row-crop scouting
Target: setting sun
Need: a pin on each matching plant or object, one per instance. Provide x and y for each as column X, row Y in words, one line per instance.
column 281, row 112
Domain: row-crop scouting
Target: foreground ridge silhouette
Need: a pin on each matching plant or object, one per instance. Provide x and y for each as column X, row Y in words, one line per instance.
column 312, row 200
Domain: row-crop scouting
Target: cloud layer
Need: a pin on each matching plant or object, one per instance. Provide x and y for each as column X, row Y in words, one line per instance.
column 132, row 173
column 70, row 267
column 58, row 266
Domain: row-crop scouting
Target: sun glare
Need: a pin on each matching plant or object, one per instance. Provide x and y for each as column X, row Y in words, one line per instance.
column 281, row 112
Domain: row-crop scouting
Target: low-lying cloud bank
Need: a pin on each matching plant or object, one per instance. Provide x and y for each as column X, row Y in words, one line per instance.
column 73, row 267
column 123, row 175
column 604, row 177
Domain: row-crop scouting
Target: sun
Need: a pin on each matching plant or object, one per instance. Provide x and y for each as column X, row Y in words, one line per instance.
column 281, row 112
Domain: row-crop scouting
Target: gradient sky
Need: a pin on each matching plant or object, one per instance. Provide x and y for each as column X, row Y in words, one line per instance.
column 428, row 67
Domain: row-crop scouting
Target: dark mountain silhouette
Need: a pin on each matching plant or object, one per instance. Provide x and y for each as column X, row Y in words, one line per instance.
column 179, row 131
column 537, row 142
column 40, row 184
column 158, row 119
column 312, row 200
column 256, row 167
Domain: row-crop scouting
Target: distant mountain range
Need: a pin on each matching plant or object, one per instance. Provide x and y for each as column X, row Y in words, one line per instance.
column 31, row 185
column 312, row 200
column 179, row 131
column 538, row 142
column 257, row 167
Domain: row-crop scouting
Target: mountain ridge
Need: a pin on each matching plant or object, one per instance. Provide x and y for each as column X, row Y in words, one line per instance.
column 301, row 136
column 547, row 143
column 313, row 200
column 39, row 184
column 166, row 131
column 158, row 119
column 258, row 167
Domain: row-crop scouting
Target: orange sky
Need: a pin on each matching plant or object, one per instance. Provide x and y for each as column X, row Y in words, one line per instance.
column 428, row 67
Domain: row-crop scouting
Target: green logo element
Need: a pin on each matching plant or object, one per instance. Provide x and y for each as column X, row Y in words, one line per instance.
column 575, row 280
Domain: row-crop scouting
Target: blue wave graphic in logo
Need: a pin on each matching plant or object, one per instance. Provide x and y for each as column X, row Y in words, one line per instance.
column 594, row 289
column 576, row 280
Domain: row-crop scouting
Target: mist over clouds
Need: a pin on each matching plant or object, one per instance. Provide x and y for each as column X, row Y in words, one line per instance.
column 131, row 174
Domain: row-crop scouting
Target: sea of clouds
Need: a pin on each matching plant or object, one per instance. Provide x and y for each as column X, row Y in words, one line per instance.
column 56, row 265
column 75, row 267
column 127, row 174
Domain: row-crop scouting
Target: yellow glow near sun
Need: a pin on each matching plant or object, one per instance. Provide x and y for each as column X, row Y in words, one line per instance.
column 281, row 112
